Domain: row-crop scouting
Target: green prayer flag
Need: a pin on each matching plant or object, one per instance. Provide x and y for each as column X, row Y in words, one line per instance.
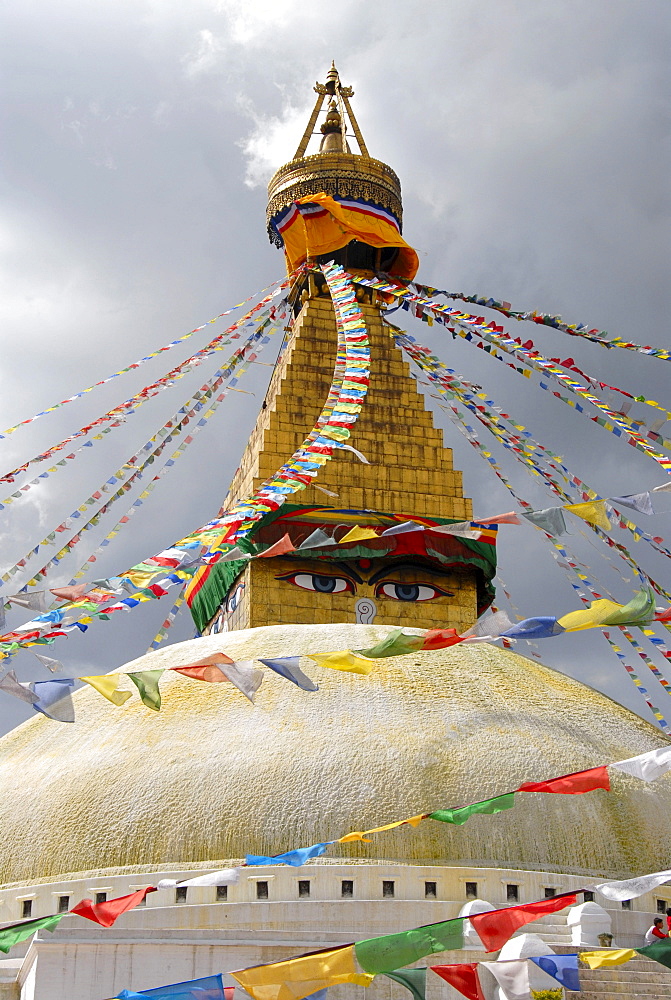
column 10, row 936
column 146, row 681
column 392, row 951
column 489, row 806
column 660, row 951
column 412, row 979
column 639, row 611
column 395, row 644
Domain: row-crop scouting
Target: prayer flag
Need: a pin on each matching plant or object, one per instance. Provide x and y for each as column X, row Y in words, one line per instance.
column 497, row 926
column 48, row 662
column 225, row 876
column 487, row 807
column 106, row 913
column 299, row 977
column 362, row 834
column 295, row 858
column 563, row 968
column 316, row 540
column 9, row 936
column 463, row 978
column 207, row 988
column 550, row 520
column 146, row 681
column 509, row 518
column 593, row 512
column 491, row 626
column 534, row 628
column 344, row 660
column 53, row 699
column 246, row 677
column 108, row 686
column 660, row 951
column 647, row 766
column 393, row 951
column 440, row 638
column 287, row 666
column 72, row 593
column 357, row 534
column 413, row 980
column 571, row 784
column 212, row 674
column 598, row 959
column 641, row 502
column 400, row 529
column 278, row 549
column 34, row 601
column 512, row 977
column 394, row 644
column 12, row 685
column 630, row 888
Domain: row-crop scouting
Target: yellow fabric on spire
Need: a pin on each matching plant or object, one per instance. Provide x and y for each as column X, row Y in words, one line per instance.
column 299, row 977
column 108, row 686
column 362, row 834
column 343, row 660
column 598, row 959
column 356, row 534
column 593, row 513
column 336, row 226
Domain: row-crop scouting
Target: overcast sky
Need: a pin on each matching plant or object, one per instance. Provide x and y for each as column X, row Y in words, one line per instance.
column 532, row 142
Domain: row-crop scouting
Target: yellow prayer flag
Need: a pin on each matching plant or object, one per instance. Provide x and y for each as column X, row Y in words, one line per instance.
column 357, row 533
column 591, row 617
column 597, row 959
column 299, row 977
column 593, row 513
column 362, row 835
column 343, row 660
column 108, row 686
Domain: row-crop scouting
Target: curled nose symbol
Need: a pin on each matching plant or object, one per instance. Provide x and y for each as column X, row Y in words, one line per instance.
column 365, row 611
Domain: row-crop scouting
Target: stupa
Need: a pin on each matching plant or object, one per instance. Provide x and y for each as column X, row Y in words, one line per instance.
column 127, row 797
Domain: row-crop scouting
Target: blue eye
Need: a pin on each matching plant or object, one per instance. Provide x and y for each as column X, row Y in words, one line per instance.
column 319, row 583
column 410, row 591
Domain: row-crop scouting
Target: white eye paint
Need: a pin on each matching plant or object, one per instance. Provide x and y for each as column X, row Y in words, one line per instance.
column 321, row 584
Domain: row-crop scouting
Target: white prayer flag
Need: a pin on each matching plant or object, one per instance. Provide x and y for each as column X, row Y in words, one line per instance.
column 647, row 766
column 225, row 876
column 246, row 677
column 632, row 887
column 512, row 977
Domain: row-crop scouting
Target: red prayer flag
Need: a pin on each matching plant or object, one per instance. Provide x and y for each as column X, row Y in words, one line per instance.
column 106, row 913
column 210, row 673
column 571, row 784
column 205, row 669
column 498, row 926
column 464, row 978
column 279, row 548
column 228, row 992
column 441, row 638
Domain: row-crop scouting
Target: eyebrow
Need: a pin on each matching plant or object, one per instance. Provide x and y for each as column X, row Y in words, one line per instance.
column 388, row 570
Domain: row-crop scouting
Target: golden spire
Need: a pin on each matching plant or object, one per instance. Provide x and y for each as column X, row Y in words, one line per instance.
column 335, row 169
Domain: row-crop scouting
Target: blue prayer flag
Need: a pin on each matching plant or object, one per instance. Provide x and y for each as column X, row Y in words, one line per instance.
column 53, row 699
column 209, row 988
column 535, row 628
column 295, row 858
column 287, row 666
column 563, row 968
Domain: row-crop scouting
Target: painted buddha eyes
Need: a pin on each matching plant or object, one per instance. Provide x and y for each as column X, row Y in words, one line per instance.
column 397, row 591
column 409, row 591
column 321, row 584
